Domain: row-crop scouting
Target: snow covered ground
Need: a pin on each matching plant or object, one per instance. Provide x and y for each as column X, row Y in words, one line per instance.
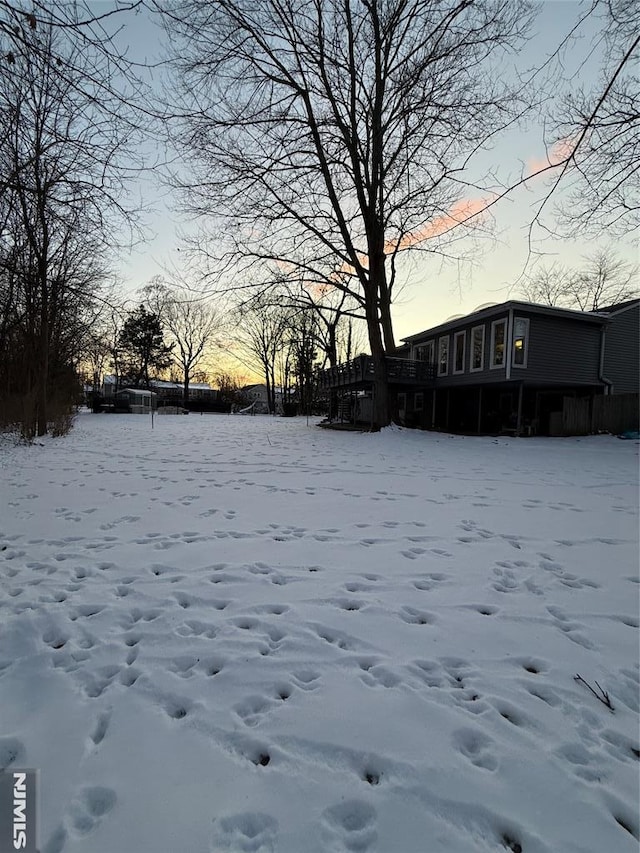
column 250, row 634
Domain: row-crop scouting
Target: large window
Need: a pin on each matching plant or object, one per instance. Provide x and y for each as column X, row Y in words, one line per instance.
column 520, row 341
column 418, row 401
column 498, row 343
column 477, row 348
column 443, row 356
column 425, row 352
column 459, row 344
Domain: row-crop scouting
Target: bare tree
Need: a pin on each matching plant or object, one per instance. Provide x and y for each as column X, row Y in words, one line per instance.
column 324, row 138
column 97, row 353
column 230, row 387
column 261, row 333
column 16, row 19
column 337, row 319
column 192, row 325
column 603, row 280
column 63, row 153
column 548, row 285
column 596, row 144
column 299, row 357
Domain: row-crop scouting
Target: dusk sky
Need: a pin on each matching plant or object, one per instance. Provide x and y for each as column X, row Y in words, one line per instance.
column 490, row 266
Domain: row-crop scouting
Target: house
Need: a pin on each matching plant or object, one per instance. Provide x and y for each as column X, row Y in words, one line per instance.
column 172, row 393
column 621, row 350
column 136, row 401
column 515, row 367
column 201, row 396
column 256, row 395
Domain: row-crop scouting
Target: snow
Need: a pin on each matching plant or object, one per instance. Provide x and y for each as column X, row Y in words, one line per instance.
column 250, row 634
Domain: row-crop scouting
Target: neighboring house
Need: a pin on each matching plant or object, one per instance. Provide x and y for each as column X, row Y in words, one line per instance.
column 622, row 347
column 109, row 385
column 172, row 393
column 201, row 396
column 514, row 367
column 257, row 395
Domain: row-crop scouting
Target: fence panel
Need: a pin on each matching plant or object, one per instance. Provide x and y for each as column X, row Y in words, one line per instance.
column 576, row 416
column 616, row 413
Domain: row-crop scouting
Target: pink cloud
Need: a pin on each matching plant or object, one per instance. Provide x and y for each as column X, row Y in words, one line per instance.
column 557, row 155
column 462, row 211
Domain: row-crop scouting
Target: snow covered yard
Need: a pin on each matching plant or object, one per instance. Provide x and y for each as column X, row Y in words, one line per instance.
column 247, row 634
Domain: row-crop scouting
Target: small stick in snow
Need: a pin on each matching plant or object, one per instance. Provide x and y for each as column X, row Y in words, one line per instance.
column 603, row 696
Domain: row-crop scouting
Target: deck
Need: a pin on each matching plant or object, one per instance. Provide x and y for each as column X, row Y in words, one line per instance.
column 358, row 373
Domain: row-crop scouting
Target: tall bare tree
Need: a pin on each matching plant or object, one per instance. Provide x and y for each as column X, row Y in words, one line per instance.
column 325, row 137
column 63, row 155
column 261, row 333
column 596, row 136
column 604, row 279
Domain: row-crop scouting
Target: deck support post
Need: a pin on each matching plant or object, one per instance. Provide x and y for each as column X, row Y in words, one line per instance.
column 519, row 420
column 433, row 409
column 479, row 409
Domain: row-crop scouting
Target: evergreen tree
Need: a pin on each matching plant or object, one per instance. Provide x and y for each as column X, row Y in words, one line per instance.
column 141, row 349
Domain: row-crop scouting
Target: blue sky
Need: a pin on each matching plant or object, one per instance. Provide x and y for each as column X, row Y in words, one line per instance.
column 431, row 291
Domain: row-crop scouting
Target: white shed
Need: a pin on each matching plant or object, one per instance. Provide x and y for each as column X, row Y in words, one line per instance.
column 139, row 401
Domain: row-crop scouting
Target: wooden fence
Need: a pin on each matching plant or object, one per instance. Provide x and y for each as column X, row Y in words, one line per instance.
column 614, row 413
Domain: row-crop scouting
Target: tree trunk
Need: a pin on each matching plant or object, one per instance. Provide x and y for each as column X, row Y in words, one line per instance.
column 43, row 361
column 273, row 389
column 268, row 384
column 380, row 400
column 185, row 399
column 376, row 289
column 387, row 326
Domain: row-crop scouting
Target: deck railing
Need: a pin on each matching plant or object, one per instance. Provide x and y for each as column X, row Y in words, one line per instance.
column 401, row 371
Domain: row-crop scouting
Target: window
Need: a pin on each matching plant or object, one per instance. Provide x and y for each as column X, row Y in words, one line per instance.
column 402, row 402
column 418, row 401
column 459, row 343
column 498, row 342
column 520, row 341
column 425, row 352
column 477, row 348
column 443, row 356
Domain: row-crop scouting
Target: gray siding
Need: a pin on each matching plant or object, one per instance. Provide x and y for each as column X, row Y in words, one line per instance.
column 622, row 351
column 561, row 351
column 480, row 377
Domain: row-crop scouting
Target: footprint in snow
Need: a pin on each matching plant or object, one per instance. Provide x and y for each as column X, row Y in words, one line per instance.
column 477, row 747
column 249, row 832
column 90, row 808
column 100, row 728
column 349, row 826
column 416, row 617
column 378, row 675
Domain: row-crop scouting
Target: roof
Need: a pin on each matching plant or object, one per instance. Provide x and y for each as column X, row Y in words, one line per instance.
column 262, row 386
column 195, row 386
column 620, row 307
column 137, row 391
column 515, row 304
